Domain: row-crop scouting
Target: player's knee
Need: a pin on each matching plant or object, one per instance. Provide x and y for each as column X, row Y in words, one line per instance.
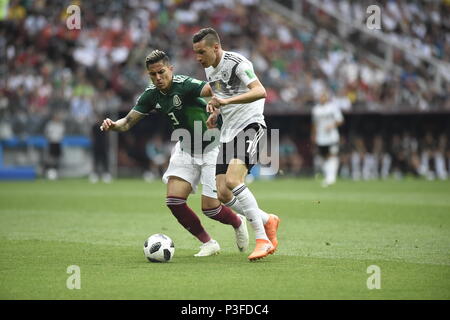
column 232, row 182
column 210, row 203
column 224, row 194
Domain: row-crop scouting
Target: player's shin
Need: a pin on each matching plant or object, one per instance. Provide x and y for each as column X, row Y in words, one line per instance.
column 187, row 218
column 330, row 169
column 236, row 206
column 251, row 210
column 334, row 167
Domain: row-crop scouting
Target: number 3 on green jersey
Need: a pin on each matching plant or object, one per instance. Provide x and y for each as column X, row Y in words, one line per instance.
column 175, row 122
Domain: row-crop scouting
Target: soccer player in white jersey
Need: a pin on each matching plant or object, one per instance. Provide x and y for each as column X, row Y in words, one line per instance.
column 326, row 118
column 240, row 96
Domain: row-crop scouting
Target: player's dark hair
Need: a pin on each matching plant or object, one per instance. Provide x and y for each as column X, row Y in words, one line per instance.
column 156, row 56
column 208, row 34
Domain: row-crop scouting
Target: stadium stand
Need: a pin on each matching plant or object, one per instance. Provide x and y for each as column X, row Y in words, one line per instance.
column 297, row 47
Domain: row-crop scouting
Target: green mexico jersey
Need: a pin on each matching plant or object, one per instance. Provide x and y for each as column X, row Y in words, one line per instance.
column 184, row 107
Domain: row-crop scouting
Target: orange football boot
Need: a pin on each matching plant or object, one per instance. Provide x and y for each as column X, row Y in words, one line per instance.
column 262, row 249
column 271, row 228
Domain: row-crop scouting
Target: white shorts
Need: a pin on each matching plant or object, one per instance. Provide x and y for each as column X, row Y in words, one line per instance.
column 194, row 169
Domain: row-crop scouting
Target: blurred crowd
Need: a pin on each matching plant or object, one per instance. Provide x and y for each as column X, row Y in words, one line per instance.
column 83, row 75
column 369, row 157
column 99, row 68
column 419, row 26
column 378, row 157
column 402, row 154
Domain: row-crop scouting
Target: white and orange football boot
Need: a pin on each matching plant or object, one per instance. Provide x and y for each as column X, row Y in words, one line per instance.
column 263, row 249
column 271, row 228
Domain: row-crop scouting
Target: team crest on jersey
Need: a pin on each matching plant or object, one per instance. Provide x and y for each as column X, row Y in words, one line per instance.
column 225, row 75
column 176, row 102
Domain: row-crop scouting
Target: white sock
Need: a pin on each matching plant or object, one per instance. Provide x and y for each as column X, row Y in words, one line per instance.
column 250, row 208
column 326, row 169
column 236, row 206
column 333, row 168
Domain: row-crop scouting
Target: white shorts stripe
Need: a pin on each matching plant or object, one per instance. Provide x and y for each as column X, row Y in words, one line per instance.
column 254, row 144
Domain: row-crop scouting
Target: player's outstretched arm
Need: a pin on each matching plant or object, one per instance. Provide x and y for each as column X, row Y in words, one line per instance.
column 123, row 124
column 256, row 92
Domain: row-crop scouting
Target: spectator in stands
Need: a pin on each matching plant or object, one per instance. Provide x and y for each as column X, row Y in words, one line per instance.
column 370, row 161
column 81, row 113
column 106, row 102
column 398, row 155
column 382, row 158
column 345, row 152
column 432, row 157
column 376, row 163
column 447, row 153
column 441, row 166
column 404, row 156
column 6, row 128
column 357, row 158
column 411, row 145
column 100, row 153
column 54, row 132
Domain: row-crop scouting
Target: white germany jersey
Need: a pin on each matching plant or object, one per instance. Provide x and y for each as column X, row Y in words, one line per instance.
column 230, row 78
column 324, row 115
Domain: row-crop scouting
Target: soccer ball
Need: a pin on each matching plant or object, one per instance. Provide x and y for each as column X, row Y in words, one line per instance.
column 159, row 248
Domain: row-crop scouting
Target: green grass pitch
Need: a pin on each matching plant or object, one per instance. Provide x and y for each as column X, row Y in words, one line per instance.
column 328, row 239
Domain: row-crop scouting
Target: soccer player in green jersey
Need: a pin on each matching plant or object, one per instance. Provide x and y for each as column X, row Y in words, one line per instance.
column 180, row 98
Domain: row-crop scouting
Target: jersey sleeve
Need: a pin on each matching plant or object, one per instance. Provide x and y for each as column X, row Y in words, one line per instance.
column 145, row 102
column 246, row 73
column 193, row 86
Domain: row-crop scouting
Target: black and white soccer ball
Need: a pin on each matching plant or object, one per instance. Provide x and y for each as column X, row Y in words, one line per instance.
column 159, row 248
